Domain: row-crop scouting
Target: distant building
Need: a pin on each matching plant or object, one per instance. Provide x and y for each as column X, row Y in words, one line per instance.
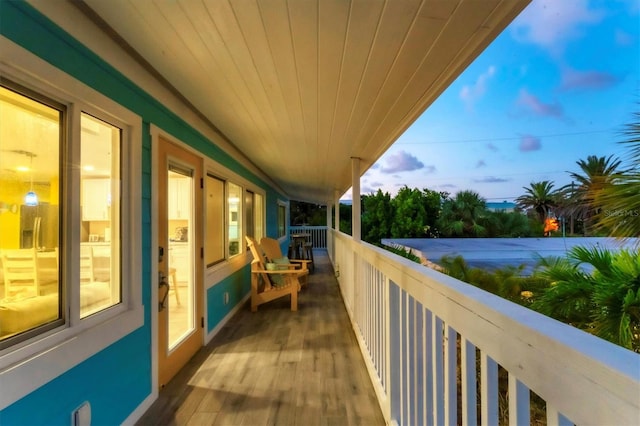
column 504, row 206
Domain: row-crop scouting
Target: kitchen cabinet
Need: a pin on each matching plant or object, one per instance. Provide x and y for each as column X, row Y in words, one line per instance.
column 96, row 199
column 179, row 258
column 179, row 198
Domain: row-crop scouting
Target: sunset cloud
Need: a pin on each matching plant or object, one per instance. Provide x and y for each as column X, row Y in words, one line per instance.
column 532, row 104
column 471, row 93
column 529, row 143
column 587, row 80
column 552, row 24
column 401, row 161
column 491, row 179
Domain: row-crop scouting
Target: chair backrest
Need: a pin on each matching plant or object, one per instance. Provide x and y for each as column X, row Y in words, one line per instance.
column 271, row 248
column 19, row 267
column 259, row 261
column 86, row 264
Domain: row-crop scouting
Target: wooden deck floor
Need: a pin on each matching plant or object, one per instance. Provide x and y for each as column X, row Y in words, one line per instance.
column 277, row 367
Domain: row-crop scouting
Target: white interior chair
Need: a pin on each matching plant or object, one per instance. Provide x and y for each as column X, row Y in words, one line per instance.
column 19, row 268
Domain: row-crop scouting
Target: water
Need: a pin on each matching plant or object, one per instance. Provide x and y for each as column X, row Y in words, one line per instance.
column 492, row 253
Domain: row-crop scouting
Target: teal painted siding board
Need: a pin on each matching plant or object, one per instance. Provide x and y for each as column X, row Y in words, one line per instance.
column 237, row 285
column 111, row 402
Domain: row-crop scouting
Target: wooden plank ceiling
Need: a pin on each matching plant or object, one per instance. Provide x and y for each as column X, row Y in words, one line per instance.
column 301, row 86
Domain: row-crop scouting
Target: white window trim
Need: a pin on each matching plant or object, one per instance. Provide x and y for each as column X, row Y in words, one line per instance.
column 27, row 366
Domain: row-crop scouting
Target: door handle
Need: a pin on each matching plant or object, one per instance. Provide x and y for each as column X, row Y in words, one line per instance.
column 162, row 282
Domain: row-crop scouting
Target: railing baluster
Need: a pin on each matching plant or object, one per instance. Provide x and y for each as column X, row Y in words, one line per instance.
column 488, row 390
column 554, row 418
column 438, row 371
column 450, row 379
column 518, row 402
column 468, row 374
column 429, row 397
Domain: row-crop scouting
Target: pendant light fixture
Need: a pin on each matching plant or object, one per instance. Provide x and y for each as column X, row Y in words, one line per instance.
column 31, row 199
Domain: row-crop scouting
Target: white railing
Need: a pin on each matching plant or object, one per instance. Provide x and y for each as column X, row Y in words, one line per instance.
column 318, row 234
column 440, row 351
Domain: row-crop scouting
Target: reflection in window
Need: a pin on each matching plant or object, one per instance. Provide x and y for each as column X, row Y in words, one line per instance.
column 214, row 238
column 282, row 215
column 100, row 211
column 30, row 287
column 258, row 206
column 234, row 203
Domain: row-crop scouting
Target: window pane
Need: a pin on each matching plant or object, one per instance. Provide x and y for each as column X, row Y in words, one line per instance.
column 235, row 222
column 259, row 223
column 100, row 222
column 249, row 222
column 30, row 288
column 214, row 239
column 282, row 229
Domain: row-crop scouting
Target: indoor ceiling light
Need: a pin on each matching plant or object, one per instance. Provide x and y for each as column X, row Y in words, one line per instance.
column 31, row 199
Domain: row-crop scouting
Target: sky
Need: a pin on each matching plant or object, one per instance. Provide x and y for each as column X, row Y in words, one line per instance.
column 554, row 87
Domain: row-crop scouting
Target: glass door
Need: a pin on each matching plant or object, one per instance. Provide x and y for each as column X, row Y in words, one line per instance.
column 180, row 289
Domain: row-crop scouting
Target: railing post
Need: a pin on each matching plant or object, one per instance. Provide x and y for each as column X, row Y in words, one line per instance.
column 355, row 199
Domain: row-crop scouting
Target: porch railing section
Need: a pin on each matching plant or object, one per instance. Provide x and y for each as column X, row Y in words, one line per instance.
column 440, row 351
column 318, row 234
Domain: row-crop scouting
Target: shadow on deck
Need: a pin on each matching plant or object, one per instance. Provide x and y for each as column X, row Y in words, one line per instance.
column 277, row 367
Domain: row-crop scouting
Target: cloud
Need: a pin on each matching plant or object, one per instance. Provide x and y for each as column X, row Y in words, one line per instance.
column 529, row 143
column 491, row 179
column 480, row 163
column 401, row 161
column 531, row 104
column 368, row 190
column 587, row 80
column 492, row 147
column 471, row 93
column 552, row 24
column 430, row 169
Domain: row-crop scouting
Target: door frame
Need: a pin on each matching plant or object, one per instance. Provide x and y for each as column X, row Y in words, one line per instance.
column 156, row 134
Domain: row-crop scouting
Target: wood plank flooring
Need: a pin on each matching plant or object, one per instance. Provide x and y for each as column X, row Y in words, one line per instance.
column 277, row 367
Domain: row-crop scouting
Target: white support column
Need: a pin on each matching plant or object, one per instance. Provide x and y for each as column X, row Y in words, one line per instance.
column 355, row 199
column 336, row 200
column 328, row 214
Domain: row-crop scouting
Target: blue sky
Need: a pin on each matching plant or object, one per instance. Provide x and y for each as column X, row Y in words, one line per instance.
column 556, row 86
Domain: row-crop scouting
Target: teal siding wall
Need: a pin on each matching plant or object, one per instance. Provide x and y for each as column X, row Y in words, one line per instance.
column 237, row 285
column 118, row 379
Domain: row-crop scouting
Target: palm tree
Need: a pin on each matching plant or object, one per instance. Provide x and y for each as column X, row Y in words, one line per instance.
column 597, row 174
column 540, row 197
column 619, row 202
column 603, row 299
column 463, row 215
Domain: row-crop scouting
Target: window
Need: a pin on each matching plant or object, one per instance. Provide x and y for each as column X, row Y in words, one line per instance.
column 258, row 206
column 282, row 219
column 30, row 285
column 215, row 208
column 234, row 208
column 254, row 222
column 31, row 244
column 73, row 136
column 100, row 217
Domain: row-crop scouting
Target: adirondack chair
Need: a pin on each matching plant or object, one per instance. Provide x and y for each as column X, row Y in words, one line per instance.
column 271, row 283
column 273, row 252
